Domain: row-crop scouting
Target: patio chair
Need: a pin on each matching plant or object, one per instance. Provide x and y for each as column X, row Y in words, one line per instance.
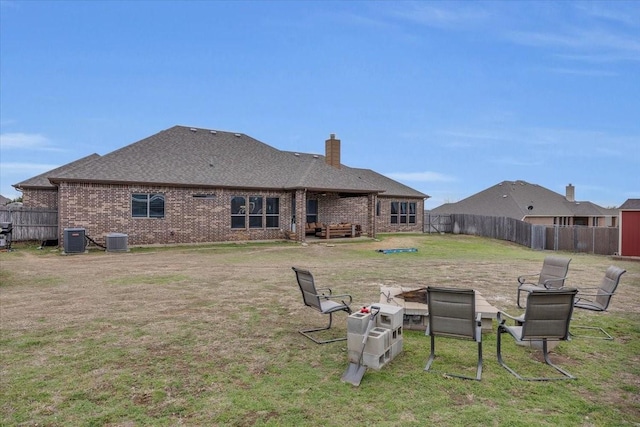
column 598, row 299
column 546, row 317
column 452, row 314
column 552, row 276
column 320, row 299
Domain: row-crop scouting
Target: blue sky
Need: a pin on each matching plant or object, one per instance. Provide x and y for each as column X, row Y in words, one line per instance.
column 449, row 98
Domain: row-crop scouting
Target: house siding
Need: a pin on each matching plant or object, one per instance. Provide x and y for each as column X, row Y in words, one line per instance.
column 383, row 221
column 102, row 209
column 334, row 210
column 538, row 220
column 597, row 221
column 40, row 198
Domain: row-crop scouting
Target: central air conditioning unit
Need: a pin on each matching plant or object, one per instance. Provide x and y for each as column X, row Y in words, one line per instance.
column 117, row 242
column 74, row 241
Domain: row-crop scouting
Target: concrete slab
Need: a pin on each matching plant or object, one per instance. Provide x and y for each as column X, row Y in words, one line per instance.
column 415, row 313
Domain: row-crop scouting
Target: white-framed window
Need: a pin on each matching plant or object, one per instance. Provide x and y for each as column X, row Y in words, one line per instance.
column 147, row 205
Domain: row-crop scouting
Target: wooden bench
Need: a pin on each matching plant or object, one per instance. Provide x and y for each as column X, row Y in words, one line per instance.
column 332, row 231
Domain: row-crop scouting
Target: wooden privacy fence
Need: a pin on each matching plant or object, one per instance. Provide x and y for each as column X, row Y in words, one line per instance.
column 596, row 240
column 31, row 223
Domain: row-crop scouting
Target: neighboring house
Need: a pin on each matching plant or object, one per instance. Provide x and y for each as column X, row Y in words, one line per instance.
column 192, row 185
column 630, row 228
column 4, row 200
column 533, row 204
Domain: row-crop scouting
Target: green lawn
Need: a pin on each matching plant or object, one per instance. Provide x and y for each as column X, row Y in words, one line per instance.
column 207, row 335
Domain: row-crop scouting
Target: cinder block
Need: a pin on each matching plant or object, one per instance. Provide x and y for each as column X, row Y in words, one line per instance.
column 537, row 344
column 354, row 356
column 357, row 322
column 396, row 348
column 387, row 335
column 415, row 322
column 487, row 324
column 390, row 316
column 378, row 341
column 376, row 362
column 395, row 335
column 354, row 341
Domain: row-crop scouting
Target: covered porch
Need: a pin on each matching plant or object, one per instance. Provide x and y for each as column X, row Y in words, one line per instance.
column 325, row 215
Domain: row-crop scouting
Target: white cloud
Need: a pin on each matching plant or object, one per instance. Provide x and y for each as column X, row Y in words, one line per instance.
column 33, row 141
column 620, row 14
column 603, row 142
column 11, row 168
column 584, row 72
column 595, row 45
column 478, row 134
column 511, row 161
column 420, row 176
column 460, row 17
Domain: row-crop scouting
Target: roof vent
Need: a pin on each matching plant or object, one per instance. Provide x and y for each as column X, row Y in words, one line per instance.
column 238, row 135
column 193, row 130
column 315, row 156
column 296, row 154
column 213, row 132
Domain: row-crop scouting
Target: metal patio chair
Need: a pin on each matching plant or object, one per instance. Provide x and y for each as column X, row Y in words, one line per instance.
column 320, row 299
column 598, row 299
column 552, row 276
column 546, row 317
column 452, row 314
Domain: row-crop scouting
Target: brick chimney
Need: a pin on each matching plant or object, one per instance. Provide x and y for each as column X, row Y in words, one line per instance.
column 332, row 151
column 571, row 193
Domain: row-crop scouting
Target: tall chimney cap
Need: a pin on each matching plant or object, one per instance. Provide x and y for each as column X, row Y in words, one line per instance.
column 570, row 193
column 332, row 151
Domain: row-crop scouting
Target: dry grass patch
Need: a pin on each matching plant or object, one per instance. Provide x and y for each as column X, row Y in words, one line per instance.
column 207, row 335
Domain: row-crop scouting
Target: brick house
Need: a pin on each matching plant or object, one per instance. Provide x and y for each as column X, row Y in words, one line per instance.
column 534, row 204
column 193, row 185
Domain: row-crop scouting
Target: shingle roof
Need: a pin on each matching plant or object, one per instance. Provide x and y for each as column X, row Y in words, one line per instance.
column 633, row 204
column 42, row 180
column 392, row 188
column 185, row 156
column 519, row 199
